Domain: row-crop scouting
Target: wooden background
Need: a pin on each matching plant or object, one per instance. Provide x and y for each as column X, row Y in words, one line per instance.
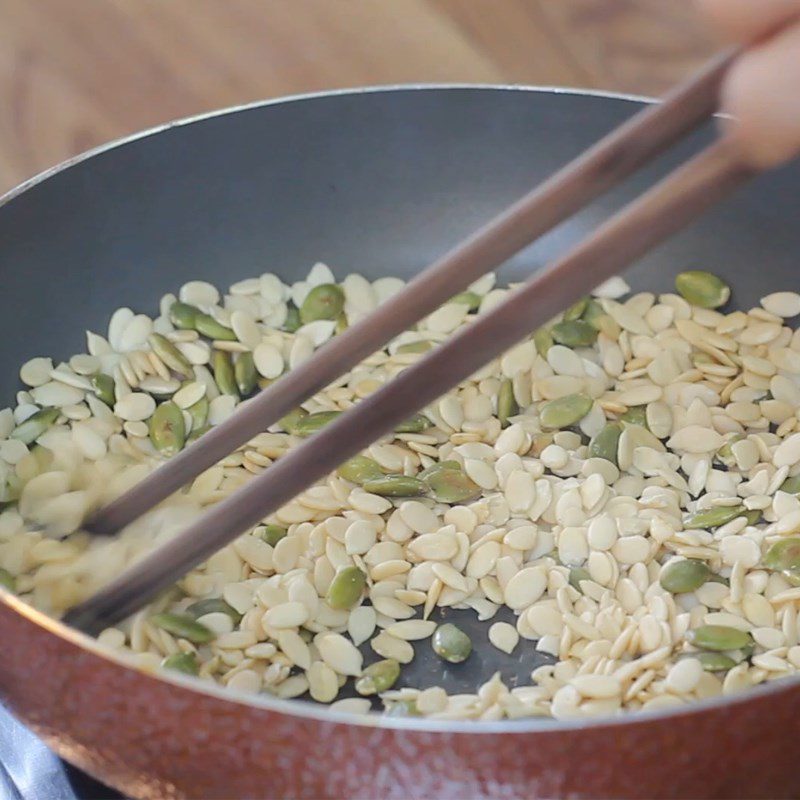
column 74, row 73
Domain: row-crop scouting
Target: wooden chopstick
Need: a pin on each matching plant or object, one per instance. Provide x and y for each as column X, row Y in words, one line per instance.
column 598, row 169
column 667, row 207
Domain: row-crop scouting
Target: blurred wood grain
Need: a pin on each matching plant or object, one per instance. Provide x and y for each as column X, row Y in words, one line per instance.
column 74, row 73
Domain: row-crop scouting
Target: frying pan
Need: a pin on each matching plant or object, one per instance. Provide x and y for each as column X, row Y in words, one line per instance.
column 379, row 182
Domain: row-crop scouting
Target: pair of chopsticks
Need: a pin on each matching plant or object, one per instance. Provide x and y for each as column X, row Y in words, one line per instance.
column 670, row 205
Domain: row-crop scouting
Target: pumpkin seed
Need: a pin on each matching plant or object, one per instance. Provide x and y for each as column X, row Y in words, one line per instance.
column 103, row 386
column 359, row 469
column 450, row 484
column 636, row 415
column 167, row 429
column 576, row 310
column 714, row 517
column 213, row 605
column 244, row 371
column 451, row 644
column 223, row 373
column 378, row 677
column 506, row 402
column 576, row 575
column 718, row 637
column 715, row 662
column 434, row 468
column 565, row 411
column 725, row 453
column 684, row 576
column 574, row 333
column 182, row 662
column 395, row 486
column 703, row 289
column 183, row 626
column 784, row 554
column 208, row 326
column 170, row 355
column 469, row 299
column 413, row 424
column 325, row 301
column 406, row 707
column 292, row 323
column 341, row 324
column 33, row 427
column 604, row 443
column 346, row 588
column 792, row 576
column 752, row 516
column 290, row 421
column 594, row 315
column 183, row 316
column 311, row 423
column 272, row 534
column 791, row 485
column 7, row 580
column 422, row 346
column 543, row 341
column 199, row 413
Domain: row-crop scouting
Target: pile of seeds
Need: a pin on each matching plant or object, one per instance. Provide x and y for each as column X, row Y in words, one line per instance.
column 626, row 481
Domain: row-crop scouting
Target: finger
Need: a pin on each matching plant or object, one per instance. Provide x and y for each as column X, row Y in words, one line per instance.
column 760, row 93
column 748, row 20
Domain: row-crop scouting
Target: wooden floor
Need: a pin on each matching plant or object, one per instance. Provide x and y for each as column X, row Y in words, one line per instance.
column 74, row 73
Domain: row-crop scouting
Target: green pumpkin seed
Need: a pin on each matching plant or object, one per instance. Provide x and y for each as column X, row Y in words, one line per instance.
column 725, row 453
column 182, row 662
column 341, row 324
column 565, row 411
column 183, row 316
column 636, row 415
column 197, row 433
column 543, row 341
column 791, row 485
column 469, row 299
column 199, row 413
column 719, row 637
column 378, row 677
column 714, row 662
column 272, row 534
column 290, row 421
column 702, row 289
column 506, row 402
column 7, row 580
column 404, row 708
column 784, row 554
column 574, row 333
column 601, row 321
column 434, row 468
column 103, row 386
column 325, row 301
column 346, row 588
column 223, row 372
column 183, row 626
column 413, row 424
column 450, row 485
column 292, row 322
column 33, row 427
column 244, row 371
column 451, row 643
column 576, row 575
column 422, row 346
column 168, row 429
column 170, row 355
column 604, row 443
column 576, row 310
column 311, row 423
column 792, row 576
column 395, row 486
column 213, row 605
column 714, row 517
column 684, row 576
column 208, row 326
column 359, row 469
column 752, row 516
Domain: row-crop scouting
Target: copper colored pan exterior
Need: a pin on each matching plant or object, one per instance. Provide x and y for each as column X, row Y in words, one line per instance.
column 375, row 182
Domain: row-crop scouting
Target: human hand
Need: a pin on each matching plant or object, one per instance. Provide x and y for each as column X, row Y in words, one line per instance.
column 762, row 90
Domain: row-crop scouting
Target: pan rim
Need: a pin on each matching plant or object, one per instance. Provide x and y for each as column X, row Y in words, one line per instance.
column 305, row 709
